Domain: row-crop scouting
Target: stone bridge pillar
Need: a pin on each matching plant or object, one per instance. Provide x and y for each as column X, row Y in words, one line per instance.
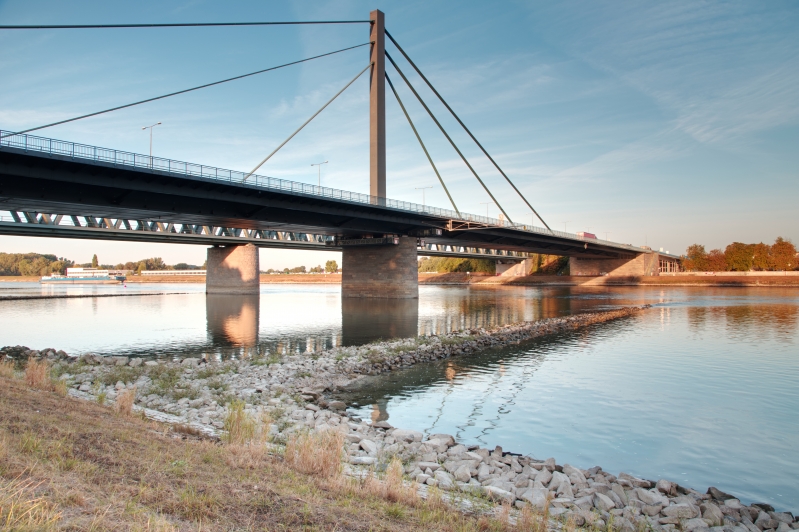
column 642, row 264
column 380, row 271
column 233, row 270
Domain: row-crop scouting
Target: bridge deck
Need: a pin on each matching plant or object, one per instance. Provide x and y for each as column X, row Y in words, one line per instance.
column 51, row 176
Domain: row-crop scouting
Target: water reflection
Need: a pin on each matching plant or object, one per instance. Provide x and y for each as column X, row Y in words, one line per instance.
column 232, row 320
column 367, row 320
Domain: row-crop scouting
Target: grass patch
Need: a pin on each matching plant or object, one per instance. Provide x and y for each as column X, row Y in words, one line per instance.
column 21, row 509
column 124, row 402
column 239, row 425
column 68, row 464
column 315, row 453
column 124, row 374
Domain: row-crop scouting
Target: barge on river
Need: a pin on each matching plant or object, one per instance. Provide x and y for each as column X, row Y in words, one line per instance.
column 83, row 276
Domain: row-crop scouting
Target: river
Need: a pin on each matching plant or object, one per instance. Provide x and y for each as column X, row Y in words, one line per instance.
column 700, row 389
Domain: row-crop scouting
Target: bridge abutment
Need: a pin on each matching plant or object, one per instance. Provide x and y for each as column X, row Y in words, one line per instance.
column 381, row 271
column 233, row 270
column 641, row 265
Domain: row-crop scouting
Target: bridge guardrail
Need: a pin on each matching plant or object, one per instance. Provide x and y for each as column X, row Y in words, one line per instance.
column 117, row 157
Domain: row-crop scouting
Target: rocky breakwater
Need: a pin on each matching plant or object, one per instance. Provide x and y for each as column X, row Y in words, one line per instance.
column 297, row 393
column 591, row 497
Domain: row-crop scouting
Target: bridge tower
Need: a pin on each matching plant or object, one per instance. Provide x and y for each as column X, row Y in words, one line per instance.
column 377, row 106
column 388, row 270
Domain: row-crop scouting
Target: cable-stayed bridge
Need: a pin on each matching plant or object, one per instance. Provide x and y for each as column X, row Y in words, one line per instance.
column 55, row 188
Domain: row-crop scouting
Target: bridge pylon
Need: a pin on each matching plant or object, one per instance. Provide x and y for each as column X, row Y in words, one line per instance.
column 377, row 106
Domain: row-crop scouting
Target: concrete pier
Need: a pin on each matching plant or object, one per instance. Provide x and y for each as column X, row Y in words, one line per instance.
column 381, row 271
column 233, row 270
column 638, row 266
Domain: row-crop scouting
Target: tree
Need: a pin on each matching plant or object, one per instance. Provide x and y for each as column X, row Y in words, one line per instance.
column 695, row 258
column 715, row 261
column 760, row 256
column 95, row 262
column 783, row 255
column 739, row 256
column 331, row 266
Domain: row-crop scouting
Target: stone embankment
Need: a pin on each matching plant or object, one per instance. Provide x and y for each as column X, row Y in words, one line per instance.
column 298, row 393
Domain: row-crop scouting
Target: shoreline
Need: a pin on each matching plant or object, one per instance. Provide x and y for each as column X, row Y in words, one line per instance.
column 298, row 391
column 490, row 281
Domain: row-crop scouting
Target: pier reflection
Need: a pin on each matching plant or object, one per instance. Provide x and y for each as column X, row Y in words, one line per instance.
column 232, row 320
column 368, row 320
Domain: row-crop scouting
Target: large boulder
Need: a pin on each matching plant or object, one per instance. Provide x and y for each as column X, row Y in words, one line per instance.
column 603, row 502
column 681, row 511
column 498, row 494
column 538, row 497
column 408, row 436
column 444, row 480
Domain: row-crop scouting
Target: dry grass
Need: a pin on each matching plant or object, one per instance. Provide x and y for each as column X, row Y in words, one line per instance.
column 316, row 453
column 7, row 369
column 239, row 425
column 124, row 402
column 76, row 465
column 37, row 374
column 21, row 509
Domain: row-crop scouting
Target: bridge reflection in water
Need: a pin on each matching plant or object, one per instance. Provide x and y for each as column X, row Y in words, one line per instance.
column 367, row 320
column 232, row 320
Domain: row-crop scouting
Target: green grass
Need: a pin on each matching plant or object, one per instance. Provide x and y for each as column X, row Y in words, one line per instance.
column 124, row 374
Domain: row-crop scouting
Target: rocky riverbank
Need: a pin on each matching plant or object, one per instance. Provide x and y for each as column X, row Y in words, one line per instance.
column 297, row 393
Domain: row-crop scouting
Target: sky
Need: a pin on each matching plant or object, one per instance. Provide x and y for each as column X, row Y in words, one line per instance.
column 657, row 123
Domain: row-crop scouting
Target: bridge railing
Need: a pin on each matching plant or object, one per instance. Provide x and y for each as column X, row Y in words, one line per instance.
column 75, row 150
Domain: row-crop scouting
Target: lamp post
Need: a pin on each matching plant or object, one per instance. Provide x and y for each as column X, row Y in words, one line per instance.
column 564, row 225
column 422, row 189
column 486, row 203
column 319, row 172
column 151, row 140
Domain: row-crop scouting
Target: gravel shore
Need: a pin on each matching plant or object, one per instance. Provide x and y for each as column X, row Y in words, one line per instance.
column 298, row 393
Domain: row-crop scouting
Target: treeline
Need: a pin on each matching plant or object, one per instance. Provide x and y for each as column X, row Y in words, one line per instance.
column 455, row 264
column 35, row 264
column 331, row 266
column 738, row 257
column 541, row 265
column 32, row 264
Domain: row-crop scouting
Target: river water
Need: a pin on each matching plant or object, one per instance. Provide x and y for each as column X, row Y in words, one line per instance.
column 700, row 389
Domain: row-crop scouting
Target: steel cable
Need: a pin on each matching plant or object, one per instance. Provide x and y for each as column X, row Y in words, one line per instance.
column 183, row 91
column 169, row 25
column 429, row 112
column 422, row 144
column 307, row 122
column 466, row 128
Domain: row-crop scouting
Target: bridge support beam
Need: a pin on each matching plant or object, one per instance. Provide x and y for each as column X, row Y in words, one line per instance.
column 641, row 265
column 387, row 271
column 233, row 270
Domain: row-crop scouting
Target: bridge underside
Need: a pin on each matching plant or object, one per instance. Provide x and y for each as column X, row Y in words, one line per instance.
column 59, row 184
column 55, row 195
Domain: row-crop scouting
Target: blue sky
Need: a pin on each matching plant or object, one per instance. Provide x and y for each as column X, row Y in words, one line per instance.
column 658, row 123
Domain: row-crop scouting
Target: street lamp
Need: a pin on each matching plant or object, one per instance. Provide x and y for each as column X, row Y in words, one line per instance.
column 486, row 203
column 422, row 189
column 564, row 225
column 319, row 172
column 151, row 139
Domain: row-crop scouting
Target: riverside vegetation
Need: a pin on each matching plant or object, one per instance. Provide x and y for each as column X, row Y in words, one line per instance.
column 290, row 402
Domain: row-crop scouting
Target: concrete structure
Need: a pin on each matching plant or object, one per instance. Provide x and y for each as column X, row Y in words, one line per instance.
column 377, row 106
column 233, row 270
column 380, row 271
column 644, row 264
column 514, row 269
